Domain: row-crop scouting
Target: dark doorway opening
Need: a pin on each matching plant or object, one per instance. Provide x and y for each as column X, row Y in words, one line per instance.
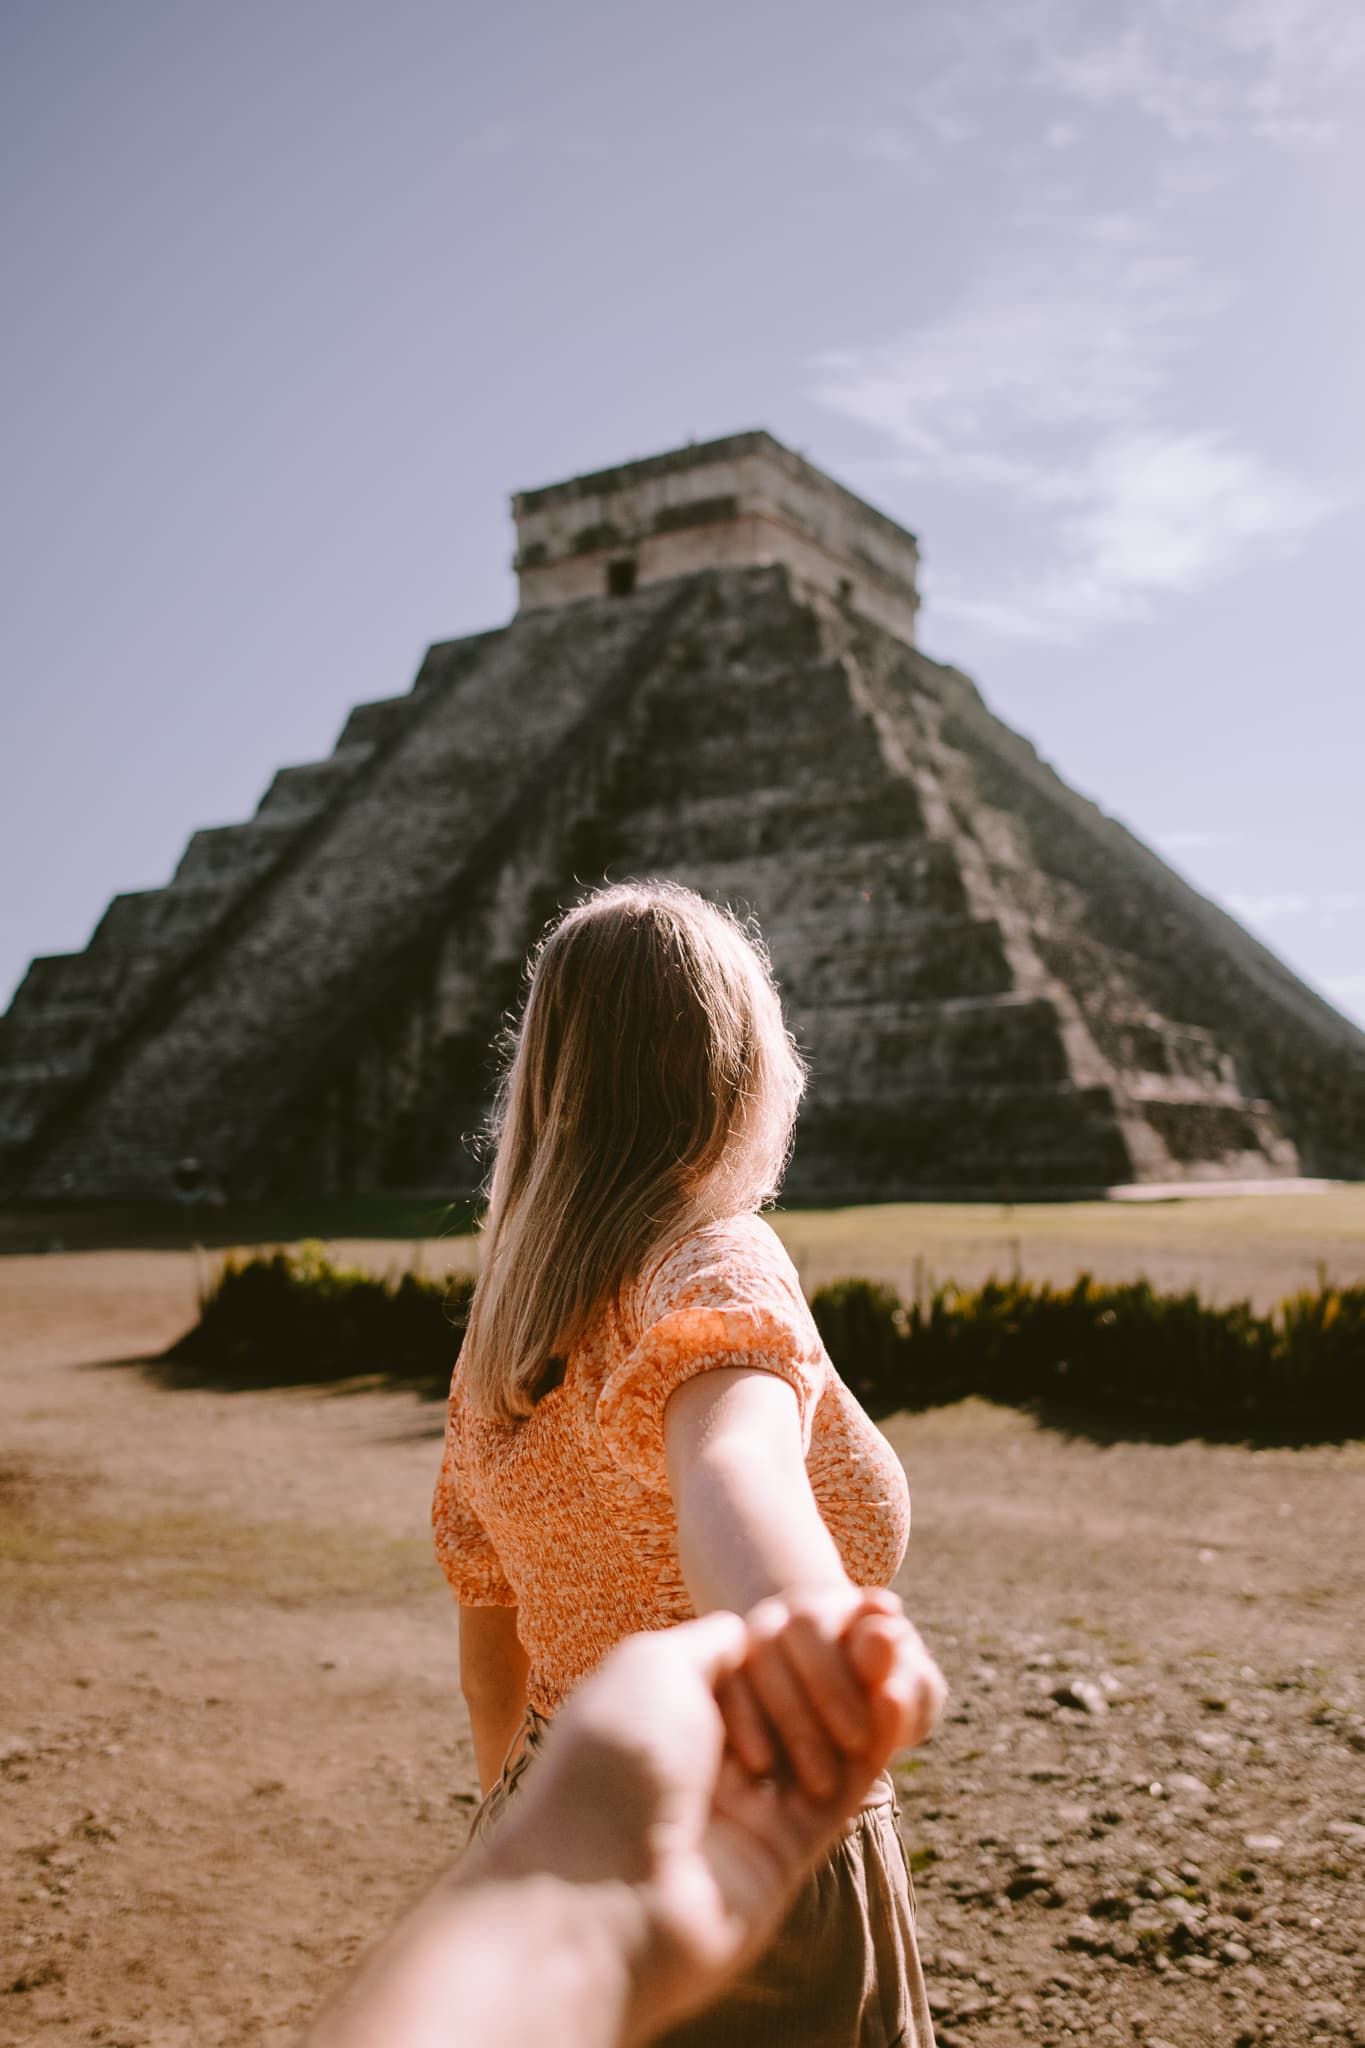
column 621, row 576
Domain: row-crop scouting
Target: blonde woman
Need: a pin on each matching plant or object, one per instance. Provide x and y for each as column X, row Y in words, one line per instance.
column 644, row 1425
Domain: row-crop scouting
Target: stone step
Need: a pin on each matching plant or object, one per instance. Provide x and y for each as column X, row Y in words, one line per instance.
column 746, row 775
column 1167, row 1052
column 902, row 960
column 656, row 837
column 958, row 1141
column 877, row 1050
column 299, row 793
column 75, row 1003
column 873, row 890
column 1230, row 1138
column 808, row 700
column 226, row 858
column 326, row 937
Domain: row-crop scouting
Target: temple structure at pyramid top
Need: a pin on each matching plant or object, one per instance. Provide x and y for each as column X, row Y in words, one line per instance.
column 712, row 677
column 738, row 503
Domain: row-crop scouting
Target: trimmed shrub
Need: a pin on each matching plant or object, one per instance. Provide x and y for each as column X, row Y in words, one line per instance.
column 1123, row 1351
column 1124, row 1354
column 294, row 1318
column 863, row 1324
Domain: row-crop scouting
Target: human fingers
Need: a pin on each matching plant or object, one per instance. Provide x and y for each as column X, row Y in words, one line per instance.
column 781, row 1692
column 714, row 1645
column 878, row 1600
column 813, row 1643
column 893, row 1662
column 746, row 1725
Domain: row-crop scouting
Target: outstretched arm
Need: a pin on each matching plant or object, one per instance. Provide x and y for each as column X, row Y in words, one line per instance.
column 751, row 1537
column 748, row 1523
column 637, row 1872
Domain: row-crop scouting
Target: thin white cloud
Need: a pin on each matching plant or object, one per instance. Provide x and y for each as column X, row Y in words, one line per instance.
column 1054, row 388
column 1269, row 72
column 1046, row 386
column 1213, row 71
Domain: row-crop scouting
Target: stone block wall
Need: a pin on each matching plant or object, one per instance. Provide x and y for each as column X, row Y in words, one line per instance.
column 743, row 501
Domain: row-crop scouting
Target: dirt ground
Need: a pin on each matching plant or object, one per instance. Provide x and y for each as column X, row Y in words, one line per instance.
column 231, row 1741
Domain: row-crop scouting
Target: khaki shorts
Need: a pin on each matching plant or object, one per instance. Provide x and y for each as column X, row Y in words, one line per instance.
column 842, row 1970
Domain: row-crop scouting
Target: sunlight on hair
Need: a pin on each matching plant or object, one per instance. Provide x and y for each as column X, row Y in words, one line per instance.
column 652, row 1086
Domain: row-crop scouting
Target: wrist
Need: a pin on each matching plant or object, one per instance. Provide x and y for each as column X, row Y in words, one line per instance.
column 596, row 1953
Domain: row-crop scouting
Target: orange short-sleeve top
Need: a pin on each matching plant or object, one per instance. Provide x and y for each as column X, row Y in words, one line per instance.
column 566, row 1515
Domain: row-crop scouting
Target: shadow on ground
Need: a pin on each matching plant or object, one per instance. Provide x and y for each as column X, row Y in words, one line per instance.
column 177, row 1372
column 180, row 1374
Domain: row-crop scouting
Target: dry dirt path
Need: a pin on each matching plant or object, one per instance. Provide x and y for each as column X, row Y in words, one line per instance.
column 231, row 1742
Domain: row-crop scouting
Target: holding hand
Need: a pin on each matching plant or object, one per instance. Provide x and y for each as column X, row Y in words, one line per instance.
column 829, row 1674
column 646, row 1860
column 643, row 1777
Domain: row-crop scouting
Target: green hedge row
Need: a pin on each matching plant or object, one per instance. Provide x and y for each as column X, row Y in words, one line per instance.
column 1118, row 1351
column 291, row 1318
column 1130, row 1353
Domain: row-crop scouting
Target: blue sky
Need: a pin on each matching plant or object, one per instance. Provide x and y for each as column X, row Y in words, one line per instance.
column 298, row 293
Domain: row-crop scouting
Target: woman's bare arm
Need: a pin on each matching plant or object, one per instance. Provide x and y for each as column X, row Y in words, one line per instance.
column 751, row 1537
column 748, row 1523
column 493, row 1670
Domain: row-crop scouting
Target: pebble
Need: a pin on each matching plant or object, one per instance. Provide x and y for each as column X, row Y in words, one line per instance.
column 1264, row 1845
column 1348, row 1831
column 1186, row 1786
column 1087, row 1935
column 1083, row 1694
column 1235, row 1952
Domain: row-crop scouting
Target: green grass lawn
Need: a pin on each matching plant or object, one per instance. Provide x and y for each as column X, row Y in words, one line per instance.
column 1229, row 1247
column 1257, row 1246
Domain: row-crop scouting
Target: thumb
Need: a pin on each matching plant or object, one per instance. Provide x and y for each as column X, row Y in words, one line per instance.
column 715, row 1645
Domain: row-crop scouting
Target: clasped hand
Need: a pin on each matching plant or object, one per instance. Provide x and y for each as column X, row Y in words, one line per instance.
column 706, row 1767
column 828, row 1675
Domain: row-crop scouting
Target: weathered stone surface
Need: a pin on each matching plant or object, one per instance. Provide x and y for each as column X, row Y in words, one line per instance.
column 999, row 988
column 741, row 502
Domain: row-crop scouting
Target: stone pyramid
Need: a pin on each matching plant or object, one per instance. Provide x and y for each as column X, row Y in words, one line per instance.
column 711, row 677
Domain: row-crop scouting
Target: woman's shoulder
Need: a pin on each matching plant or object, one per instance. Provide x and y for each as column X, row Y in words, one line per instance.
column 738, row 1257
column 745, row 1239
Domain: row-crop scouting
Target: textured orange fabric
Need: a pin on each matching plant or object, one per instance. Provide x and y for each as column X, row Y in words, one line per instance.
column 567, row 1516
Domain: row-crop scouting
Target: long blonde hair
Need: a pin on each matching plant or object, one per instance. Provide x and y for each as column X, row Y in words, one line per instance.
column 651, row 1086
